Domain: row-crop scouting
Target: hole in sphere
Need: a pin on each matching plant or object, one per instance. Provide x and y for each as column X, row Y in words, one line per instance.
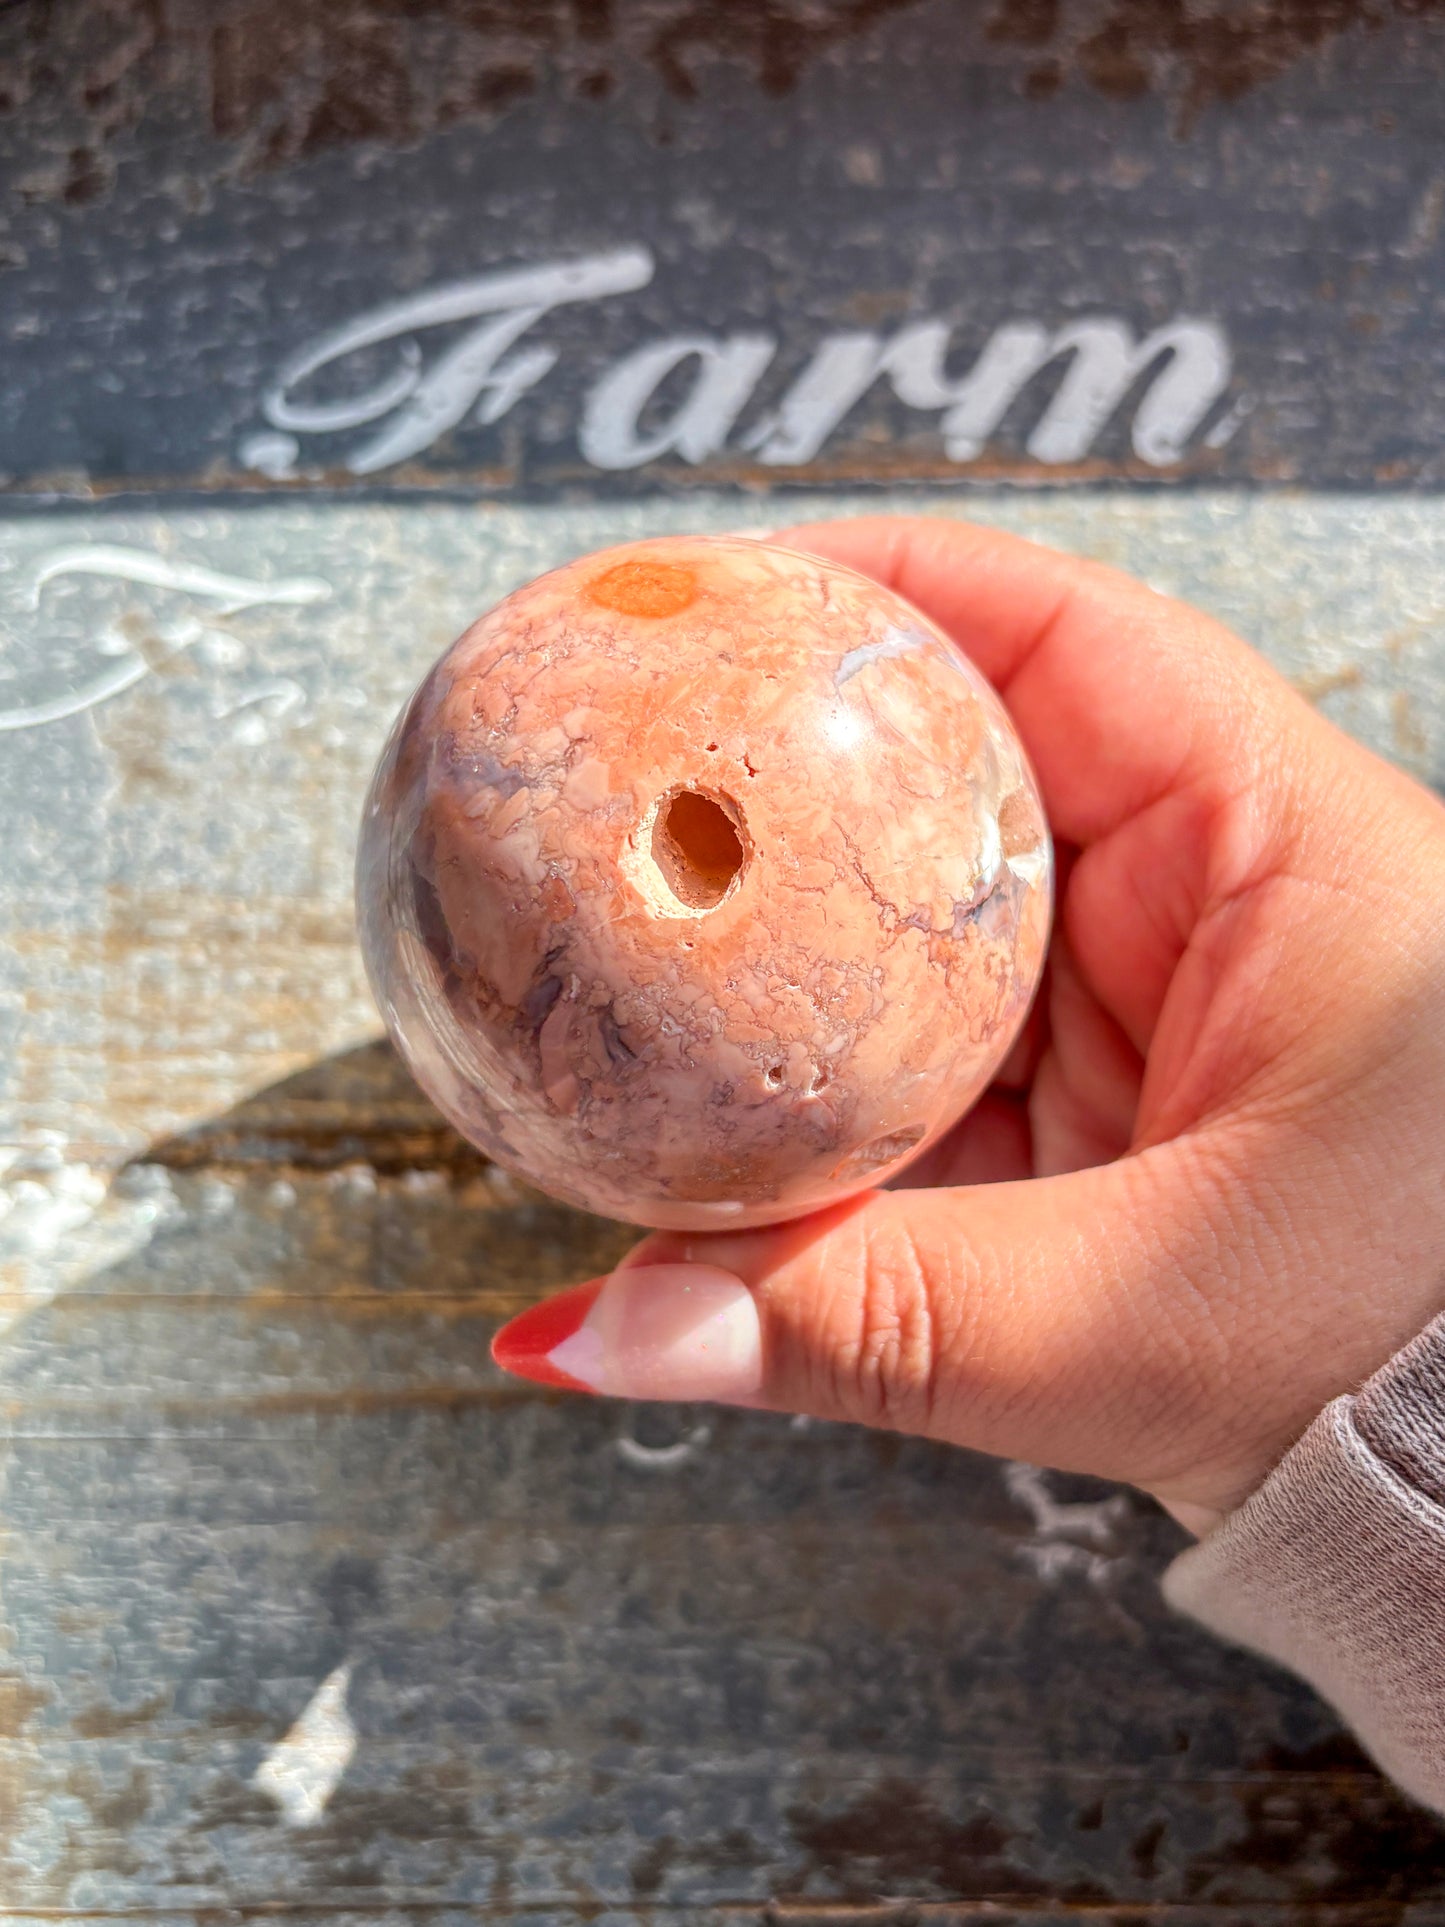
column 774, row 1075
column 697, row 848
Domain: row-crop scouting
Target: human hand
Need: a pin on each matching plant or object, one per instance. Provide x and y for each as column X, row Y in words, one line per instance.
column 1207, row 1193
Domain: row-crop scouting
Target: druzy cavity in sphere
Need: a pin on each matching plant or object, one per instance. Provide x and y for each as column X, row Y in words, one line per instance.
column 703, row 883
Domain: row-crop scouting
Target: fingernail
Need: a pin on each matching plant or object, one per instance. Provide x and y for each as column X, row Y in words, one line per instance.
column 664, row 1331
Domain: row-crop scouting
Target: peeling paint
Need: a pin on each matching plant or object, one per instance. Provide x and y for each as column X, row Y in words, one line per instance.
column 304, row 1768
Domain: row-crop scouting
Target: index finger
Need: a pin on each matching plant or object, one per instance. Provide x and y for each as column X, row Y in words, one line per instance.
column 1121, row 695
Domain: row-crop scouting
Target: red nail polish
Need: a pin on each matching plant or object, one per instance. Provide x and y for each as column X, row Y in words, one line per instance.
column 525, row 1343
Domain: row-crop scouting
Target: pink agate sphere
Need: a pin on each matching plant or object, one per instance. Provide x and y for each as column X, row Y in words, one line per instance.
column 703, row 883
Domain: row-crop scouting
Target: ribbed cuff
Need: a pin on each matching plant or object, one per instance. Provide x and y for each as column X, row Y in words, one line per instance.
column 1335, row 1567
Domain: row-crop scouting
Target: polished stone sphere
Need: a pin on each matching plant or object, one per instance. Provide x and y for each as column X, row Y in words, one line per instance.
column 703, row 883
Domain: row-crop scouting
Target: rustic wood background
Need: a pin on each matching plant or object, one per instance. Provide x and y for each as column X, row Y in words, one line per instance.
column 304, row 1611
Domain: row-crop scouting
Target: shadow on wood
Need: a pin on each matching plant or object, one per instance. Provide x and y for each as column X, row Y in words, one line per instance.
column 566, row 1660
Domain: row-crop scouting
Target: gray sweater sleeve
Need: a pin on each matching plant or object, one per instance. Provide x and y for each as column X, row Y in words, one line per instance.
column 1335, row 1567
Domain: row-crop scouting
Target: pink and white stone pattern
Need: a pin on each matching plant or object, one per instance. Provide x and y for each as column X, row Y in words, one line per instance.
column 703, row 883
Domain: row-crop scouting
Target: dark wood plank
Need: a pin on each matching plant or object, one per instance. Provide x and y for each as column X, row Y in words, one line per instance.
column 199, row 197
column 585, row 1669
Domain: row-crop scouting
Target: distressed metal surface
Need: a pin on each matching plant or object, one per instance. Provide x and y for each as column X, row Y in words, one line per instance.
column 537, row 1659
column 202, row 204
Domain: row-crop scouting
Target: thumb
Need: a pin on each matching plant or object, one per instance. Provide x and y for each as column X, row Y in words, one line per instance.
column 1052, row 1319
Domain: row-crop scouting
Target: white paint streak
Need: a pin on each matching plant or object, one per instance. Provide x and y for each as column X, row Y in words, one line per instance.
column 271, row 455
column 1070, row 1536
column 728, row 371
column 304, row 1768
column 281, row 694
column 424, row 404
column 1093, row 1522
column 1106, row 363
column 1224, row 429
column 843, row 368
column 74, row 701
column 1104, row 360
column 62, row 1221
column 233, row 593
column 43, row 1201
column 1181, row 369
column 663, row 1458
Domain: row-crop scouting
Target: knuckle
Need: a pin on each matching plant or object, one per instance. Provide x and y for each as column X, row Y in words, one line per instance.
column 885, row 1364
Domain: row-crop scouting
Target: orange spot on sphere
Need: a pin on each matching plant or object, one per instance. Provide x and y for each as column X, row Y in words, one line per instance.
column 645, row 589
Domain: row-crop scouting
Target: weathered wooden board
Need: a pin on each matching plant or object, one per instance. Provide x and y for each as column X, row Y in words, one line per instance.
column 590, row 1661
column 175, row 890
column 305, row 1613
column 562, row 1661
column 249, row 242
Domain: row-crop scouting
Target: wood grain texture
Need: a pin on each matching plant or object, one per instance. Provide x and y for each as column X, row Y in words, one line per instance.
column 804, row 1664
column 193, row 196
column 604, row 1664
